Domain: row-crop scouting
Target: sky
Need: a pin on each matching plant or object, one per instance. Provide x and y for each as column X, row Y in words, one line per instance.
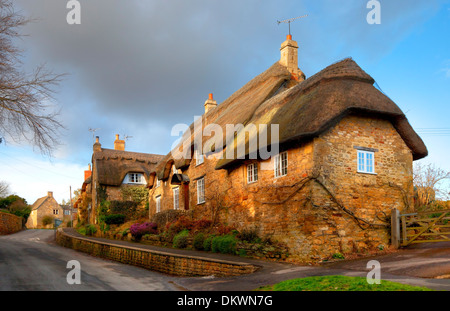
column 137, row 68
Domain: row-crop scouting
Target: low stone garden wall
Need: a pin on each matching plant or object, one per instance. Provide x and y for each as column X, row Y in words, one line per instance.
column 173, row 264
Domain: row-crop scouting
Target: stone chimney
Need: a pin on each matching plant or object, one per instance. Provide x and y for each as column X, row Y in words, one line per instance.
column 119, row 144
column 210, row 103
column 50, row 194
column 88, row 172
column 97, row 145
column 289, row 58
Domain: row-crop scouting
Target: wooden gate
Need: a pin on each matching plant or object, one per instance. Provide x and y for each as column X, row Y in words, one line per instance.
column 423, row 227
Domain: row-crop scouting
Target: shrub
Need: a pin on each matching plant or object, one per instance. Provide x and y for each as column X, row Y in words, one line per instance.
column 90, row 229
column 207, row 243
column 138, row 230
column 249, row 235
column 180, row 224
column 224, row 229
column 47, row 220
column 114, row 219
column 199, row 240
column 180, row 240
column 225, row 244
column 201, row 224
column 127, row 208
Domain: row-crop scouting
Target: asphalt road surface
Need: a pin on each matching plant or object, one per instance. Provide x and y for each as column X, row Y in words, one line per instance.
column 31, row 261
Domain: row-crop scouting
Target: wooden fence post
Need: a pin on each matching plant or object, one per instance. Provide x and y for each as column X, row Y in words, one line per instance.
column 395, row 227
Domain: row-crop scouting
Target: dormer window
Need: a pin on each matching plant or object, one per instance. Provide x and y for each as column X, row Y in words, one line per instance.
column 135, row 178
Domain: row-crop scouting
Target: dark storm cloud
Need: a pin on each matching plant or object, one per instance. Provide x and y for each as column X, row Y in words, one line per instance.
column 140, row 67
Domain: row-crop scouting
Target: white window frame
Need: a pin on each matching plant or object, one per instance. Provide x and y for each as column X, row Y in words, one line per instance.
column 281, row 164
column 199, row 158
column 174, row 170
column 252, row 173
column 158, row 203
column 365, row 162
column 158, row 182
column 201, row 190
column 176, row 198
column 55, row 212
column 135, row 178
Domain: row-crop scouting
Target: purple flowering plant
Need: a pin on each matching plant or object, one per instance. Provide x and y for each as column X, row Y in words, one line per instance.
column 139, row 229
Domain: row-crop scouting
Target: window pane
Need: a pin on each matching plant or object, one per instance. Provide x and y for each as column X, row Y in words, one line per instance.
column 201, row 190
column 284, row 163
column 277, row 165
column 176, row 201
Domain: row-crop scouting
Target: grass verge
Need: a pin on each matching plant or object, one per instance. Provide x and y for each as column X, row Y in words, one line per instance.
column 338, row 283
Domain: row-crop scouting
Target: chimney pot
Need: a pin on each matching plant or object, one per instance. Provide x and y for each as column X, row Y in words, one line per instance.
column 97, row 146
column 210, row 103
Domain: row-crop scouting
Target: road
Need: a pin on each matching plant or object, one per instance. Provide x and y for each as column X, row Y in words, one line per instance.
column 31, row 261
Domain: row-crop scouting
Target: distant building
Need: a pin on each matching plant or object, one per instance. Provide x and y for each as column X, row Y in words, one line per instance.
column 45, row 206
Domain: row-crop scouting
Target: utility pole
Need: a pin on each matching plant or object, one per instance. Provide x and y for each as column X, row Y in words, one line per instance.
column 71, row 208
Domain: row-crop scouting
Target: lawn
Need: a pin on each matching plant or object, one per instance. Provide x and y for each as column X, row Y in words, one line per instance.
column 338, row 283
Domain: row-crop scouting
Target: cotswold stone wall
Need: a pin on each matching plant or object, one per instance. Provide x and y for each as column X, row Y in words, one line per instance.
column 172, row 264
column 9, row 223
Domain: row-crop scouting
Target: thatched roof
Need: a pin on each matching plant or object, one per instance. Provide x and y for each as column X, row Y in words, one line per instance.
column 237, row 109
column 113, row 165
column 302, row 110
column 315, row 105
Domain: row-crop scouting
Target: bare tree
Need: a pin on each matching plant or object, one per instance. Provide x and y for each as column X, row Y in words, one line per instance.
column 25, row 98
column 428, row 184
column 4, row 189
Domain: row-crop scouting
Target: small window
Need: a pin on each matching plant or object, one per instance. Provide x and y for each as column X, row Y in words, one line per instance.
column 252, row 173
column 174, row 169
column 158, row 182
column 55, row 212
column 176, row 198
column 280, row 165
column 199, row 157
column 366, row 161
column 201, row 190
column 135, row 178
column 158, row 204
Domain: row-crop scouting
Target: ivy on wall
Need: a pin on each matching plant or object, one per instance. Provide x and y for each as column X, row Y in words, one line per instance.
column 138, row 194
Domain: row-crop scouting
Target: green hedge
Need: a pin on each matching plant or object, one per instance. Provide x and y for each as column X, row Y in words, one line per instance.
column 225, row 244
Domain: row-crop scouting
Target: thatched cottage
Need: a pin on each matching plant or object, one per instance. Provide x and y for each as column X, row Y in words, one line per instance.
column 114, row 173
column 44, row 207
column 344, row 160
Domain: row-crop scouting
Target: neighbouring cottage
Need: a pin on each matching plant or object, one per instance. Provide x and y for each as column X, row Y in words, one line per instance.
column 344, row 160
column 45, row 206
column 116, row 176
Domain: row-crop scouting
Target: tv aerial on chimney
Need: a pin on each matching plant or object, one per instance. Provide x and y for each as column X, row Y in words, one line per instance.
column 289, row 20
column 93, row 133
column 126, row 137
